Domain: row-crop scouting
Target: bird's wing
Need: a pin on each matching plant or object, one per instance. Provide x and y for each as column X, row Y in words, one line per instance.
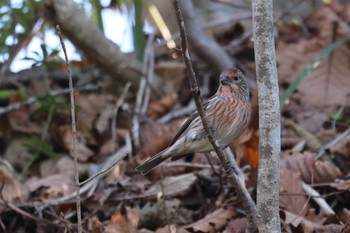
column 188, row 122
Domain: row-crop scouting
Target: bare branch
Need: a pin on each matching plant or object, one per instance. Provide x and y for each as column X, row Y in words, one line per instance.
column 248, row 204
column 202, row 44
column 74, row 132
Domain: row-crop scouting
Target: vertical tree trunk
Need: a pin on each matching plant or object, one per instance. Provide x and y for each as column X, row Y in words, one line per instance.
column 269, row 120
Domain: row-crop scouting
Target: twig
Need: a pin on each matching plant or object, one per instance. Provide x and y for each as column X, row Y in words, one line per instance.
column 247, row 202
column 115, row 113
column 163, row 197
column 141, row 95
column 33, row 99
column 65, row 222
column 74, row 132
column 319, row 199
column 332, row 143
column 311, row 140
column 202, row 44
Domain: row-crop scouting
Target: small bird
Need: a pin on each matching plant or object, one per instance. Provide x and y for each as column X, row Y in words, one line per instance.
column 228, row 113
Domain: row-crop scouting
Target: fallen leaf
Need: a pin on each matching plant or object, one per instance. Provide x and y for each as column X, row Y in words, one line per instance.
column 17, row 154
column 161, row 106
column 311, row 170
column 82, row 151
column 54, row 186
column 324, row 85
column 292, row 196
column 213, row 222
column 123, row 222
column 173, row 185
column 237, row 225
column 11, row 188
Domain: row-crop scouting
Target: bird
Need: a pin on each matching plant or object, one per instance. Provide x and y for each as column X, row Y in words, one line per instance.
column 228, row 112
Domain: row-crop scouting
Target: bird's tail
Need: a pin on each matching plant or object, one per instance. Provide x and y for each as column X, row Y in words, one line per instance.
column 154, row 161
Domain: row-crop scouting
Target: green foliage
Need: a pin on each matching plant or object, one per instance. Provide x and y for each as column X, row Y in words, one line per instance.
column 97, row 12
column 308, row 69
column 48, row 103
column 43, row 58
column 15, row 21
column 340, row 117
column 4, row 94
column 139, row 36
column 40, row 147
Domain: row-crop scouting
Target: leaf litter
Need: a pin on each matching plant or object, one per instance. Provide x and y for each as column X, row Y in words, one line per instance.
column 190, row 195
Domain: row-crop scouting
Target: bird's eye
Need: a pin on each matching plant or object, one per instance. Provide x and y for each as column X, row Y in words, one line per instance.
column 235, row 78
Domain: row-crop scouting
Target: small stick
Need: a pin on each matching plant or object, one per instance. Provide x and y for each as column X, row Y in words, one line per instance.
column 74, row 132
column 247, row 201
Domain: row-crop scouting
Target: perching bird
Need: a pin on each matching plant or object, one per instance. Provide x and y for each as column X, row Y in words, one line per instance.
column 228, row 113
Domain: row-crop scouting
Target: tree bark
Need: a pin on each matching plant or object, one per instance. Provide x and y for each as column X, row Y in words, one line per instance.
column 86, row 36
column 269, row 120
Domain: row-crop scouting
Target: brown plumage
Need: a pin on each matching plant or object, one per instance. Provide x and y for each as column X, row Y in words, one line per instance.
column 228, row 113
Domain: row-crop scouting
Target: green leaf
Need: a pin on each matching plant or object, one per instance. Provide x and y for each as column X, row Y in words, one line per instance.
column 40, row 147
column 308, row 69
column 4, row 94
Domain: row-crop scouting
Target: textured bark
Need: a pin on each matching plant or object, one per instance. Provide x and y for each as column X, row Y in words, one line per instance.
column 89, row 38
column 269, row 118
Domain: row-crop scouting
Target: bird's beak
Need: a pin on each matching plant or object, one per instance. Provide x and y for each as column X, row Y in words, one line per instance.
column 224, row 80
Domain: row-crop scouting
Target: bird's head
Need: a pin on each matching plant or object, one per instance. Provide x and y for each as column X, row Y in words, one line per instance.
column 233, row 81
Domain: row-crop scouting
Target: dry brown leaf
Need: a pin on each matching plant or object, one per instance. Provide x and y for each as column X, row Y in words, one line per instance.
column 90, row 106
column 55, row 186
column 213, row 222
column 324, row 86
column 237, row 225
column 172, row 72
column 334, row 228
column 306, row 226
column 81, row 149
column 11, row 188
column 251, row 148
column 173, row 229
column 291, row 194
column 17, row 154
column 160, row 107
column 173, row 185
column 311, row 170
column 342, row 148
column 95, row 226
column 341, row 184
column 124, row 222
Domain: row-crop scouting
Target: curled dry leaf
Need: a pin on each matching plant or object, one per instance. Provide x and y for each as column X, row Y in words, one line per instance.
column 11, row 188
column 160, row 107
column 292, row 196
column 301, row 223
column 324, row 86
column 213, row 222
column 246, row 148
column 82, row 151
column 55, row 186
column 311, row 170
column 237, row 225
column 124, row 222
column 342, row 148
column 341, row 184
column 173, row 185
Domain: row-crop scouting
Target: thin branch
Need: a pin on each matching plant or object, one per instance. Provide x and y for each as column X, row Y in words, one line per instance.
column 246, row 200
column 34, row 99
column 74, row 132
column 202, row 44
column 115, row 113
